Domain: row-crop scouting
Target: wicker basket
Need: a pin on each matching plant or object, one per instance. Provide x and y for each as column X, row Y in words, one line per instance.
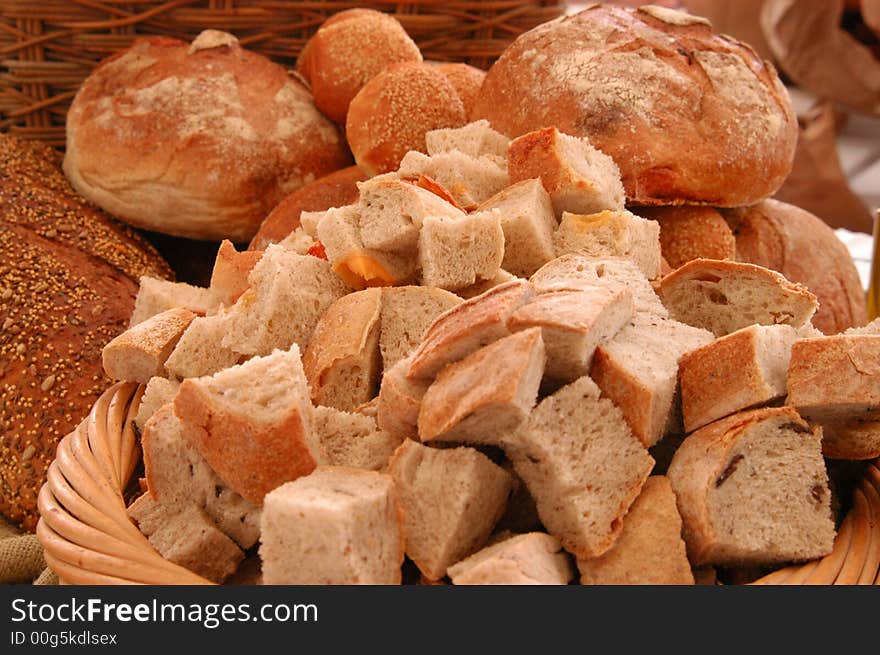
column 49, row 46
column 89, row 539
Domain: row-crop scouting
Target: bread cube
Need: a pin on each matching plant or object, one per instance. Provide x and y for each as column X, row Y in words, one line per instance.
column 457, row 252
column 156, row 296
column 353, row 440
column 158, row 392
column 535, row 558
column 400, row 399
column 474, row 139
column 229, row 278
column 470, row 180
column 200, row 350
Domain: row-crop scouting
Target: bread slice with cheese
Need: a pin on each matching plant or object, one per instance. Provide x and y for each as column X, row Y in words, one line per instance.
column 475, row 139
column 140, row 352
column 156, row 296
column 454, row 253
column 535, row 558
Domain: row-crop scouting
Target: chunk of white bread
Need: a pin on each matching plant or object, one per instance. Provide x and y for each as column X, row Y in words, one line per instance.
column 455, row 253
column 336, row 526
column 299, row 242
column 573, row 323
column 288, row 294
column 752, row 489
column 252, row 422
column 485, row 396
column 309, row 221
column 836, row 378
column 650, row 549
column 475, row 139
column 352, row 439
column 638, row 370
column 156, row 296
column 528, row 223
column 746, row 368
column 390, row 214
column 611, row 234
column 582, row 465
column 723, row 296
column 158, row 392
column 140, row 352
column 186, row 535
column 451, row 499
column 177, row 474
column 407, row 312
column 400, row 400
column 468, row 327
column 229, row 277
column 579, row 178
column 535, row 558
column 200, row 350
column 482, row 286
column 470, row 180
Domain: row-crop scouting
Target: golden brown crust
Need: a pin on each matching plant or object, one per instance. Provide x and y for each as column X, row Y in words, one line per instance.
column 466, row 79
column 661, row 97
column 804, row 249
column 690, row 232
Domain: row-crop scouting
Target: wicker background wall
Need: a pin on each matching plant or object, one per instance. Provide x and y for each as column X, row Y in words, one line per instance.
column 47, row 47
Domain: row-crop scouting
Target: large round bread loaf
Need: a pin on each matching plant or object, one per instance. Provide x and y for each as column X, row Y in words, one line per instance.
column 198, row 140
column 688, row 115
column 68, row 279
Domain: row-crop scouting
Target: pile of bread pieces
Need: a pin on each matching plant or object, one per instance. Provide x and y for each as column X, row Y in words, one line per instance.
column 539, row 335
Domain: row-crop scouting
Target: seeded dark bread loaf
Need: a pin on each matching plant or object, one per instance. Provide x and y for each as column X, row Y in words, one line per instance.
column 68, row 279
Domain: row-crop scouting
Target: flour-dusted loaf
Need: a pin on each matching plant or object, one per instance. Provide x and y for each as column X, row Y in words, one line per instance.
column 451, row 500
column 156, row 295
column 752, row 489
column 582, row 464
column 746, row 368
column 535, row 558
column 336, row 526
column 725, row 296
column 352, row 439
column 650, row 549
column 140, row 352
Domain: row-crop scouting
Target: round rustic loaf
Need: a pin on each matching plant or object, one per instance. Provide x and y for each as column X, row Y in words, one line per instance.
column 198, row 140
column 804, row 249
column 392, row 113
column 689, row 116
column 691, row 232
column 349, row 50
column 68, row 279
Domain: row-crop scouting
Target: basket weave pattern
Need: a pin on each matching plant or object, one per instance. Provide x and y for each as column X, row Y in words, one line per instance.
column 89, row 539
column 48, row 47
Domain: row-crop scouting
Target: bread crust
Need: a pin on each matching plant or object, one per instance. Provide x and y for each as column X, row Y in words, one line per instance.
column 691, row 232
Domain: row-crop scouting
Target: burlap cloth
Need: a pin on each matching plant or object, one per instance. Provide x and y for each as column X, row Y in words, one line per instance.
column 21, row 558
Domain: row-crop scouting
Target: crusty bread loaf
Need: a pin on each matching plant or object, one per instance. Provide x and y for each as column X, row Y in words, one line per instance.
column 407, row 312
column 476, row 139
column 229, row 278
column 725, row 296
column 649, row 550
column 353, row 439
column 186, row 535
column 200, row 350
column 582, row 465
column 752, row 489
column 156, row 295
column 140, row 352
column 657, row 91
column 470, row 180
column 744, row 369
column 485, row 396
column 451, row 500
column 579, row 178
column 391, row 114
column 158, row 393
column 199, row 140
column 336, row 526
column 455, row 253
column 252, row 422
column 692, row 232
column 535, row 558
column 467, row 81
column 804, row 249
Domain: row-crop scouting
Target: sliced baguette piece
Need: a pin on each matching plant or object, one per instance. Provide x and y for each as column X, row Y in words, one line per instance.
column 140, row 352
column 186, row 535
column 158, row 393
column 342, row 363
column 649, row 550
column 470, row 180
column 353, row 440
column 177, row 474
column 535, row 558
column 468, row 327
column 400, row 400
column 474, row 139
column 485, row 396
column 582, row 465
column 156, row 296
column 252, row 422
column 336, row 526
column 573, row 323
column 579, row 178
column 455, row 253
column 611, row 234
column 229, row 278
column 482, row 286
column 752, row 490
column 855, row 438
column 725, row 296
column 638, row 371
column 528, row 222
column 836, row 377
column 744, row 369
column 451, row 499
column 200, row 350
column 406, row 314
